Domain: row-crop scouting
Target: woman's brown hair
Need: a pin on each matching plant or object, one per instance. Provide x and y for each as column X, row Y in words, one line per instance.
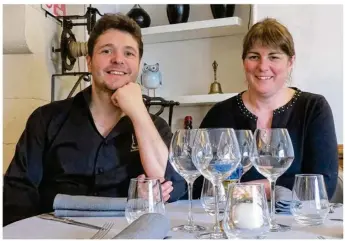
column 269, row 33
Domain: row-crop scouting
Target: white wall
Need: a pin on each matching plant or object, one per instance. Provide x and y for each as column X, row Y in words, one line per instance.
column 26, row 74
column 318, row 34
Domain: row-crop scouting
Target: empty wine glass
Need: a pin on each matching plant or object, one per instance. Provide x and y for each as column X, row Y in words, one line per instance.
column 245, row 141
column 272, row 155
column 246, row 213
column 144, row 196
column 180, row 157
column 216, row 155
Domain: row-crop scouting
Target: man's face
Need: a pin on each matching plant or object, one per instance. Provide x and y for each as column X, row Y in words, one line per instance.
column 115, row 60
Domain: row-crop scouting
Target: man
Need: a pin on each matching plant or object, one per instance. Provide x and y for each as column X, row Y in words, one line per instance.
column 94, row 143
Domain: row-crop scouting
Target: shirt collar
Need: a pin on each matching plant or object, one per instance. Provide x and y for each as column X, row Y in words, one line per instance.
column 123, row 126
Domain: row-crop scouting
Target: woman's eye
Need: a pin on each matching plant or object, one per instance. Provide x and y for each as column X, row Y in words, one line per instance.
column 274, row 57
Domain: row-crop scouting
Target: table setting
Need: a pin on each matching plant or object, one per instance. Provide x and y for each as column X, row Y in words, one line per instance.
column 227, row 207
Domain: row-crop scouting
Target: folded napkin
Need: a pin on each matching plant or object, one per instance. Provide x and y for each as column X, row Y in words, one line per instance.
column 147, row 226
column 283, row 200
column 88, row 206
column 85, row 213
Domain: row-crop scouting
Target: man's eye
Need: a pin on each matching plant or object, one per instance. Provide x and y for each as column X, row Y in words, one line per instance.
column 106, row 51
column 129, row 54
column 253, row 57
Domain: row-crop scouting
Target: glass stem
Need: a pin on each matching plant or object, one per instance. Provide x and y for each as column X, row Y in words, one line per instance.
column 239, row 179
column 217, row 225
column 190, row 198
column 273, row 200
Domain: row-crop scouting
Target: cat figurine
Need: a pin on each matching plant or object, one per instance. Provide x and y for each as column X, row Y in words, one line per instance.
column 151, row 77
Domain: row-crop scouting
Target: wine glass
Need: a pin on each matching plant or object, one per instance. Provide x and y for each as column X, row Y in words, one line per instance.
column 144, row 196
column 246, row 213
column 245, row 141
column 180, row 157
column 216, row 155
column 272, row 155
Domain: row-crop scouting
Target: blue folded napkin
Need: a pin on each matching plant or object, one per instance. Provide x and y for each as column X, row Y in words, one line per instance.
column 147, row 226
column 88, row 206
column 84, row 213
column 283, row 200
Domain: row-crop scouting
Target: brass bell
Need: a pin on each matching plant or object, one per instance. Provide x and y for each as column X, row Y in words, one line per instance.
column 215, row 87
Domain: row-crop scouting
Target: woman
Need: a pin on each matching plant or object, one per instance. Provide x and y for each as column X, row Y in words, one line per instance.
column 268, row 57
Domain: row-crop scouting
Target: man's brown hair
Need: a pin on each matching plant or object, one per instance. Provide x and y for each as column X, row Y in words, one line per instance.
column 119, row 22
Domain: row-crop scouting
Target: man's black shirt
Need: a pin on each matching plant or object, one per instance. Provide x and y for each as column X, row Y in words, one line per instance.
column 61, row 151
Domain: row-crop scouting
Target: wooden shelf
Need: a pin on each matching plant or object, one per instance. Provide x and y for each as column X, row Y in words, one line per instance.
column 193, row 30
column 195, row 100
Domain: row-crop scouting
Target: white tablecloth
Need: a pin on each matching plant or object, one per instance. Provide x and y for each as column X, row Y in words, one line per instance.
column 36, row 228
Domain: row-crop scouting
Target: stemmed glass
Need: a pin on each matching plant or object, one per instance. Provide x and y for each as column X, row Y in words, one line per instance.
column 272, row 155
column 245, row 141
column 180, row 157
column 216, row 155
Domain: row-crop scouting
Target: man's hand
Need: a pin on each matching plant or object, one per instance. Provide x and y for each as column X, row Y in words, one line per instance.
column 129, row 99
column 166, row 187
column 166, row 190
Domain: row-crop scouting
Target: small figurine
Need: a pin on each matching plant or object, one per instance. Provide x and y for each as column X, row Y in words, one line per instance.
column 151, row 78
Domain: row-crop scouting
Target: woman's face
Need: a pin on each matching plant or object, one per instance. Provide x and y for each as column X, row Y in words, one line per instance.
column 267, row 69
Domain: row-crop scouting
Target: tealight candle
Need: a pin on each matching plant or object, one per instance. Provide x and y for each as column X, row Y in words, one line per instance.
column 248, row 215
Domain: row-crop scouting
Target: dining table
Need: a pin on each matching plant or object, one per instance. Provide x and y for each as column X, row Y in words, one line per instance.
column 177, row 212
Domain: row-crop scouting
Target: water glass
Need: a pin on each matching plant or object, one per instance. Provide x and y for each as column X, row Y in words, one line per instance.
column 246, row 214
column 144, row 196
column 207, row 198
column 310, row 204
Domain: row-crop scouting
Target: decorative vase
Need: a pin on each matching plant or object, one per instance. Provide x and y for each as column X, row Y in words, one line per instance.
column 140, row 16
column 178, row 13
column 222, row 10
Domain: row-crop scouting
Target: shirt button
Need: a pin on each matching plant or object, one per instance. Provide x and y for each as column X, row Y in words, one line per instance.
column 100, row 170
